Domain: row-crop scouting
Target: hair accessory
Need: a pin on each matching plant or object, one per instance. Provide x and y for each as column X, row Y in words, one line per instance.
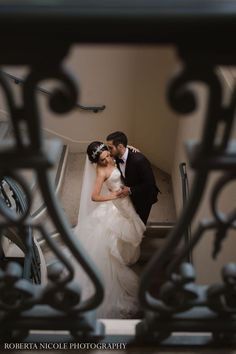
column 99, row 148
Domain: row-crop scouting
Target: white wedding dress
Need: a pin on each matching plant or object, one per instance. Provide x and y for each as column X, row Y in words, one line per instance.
column 111, row 235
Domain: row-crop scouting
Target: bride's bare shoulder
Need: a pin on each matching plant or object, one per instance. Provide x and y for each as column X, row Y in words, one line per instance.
column 101, row 171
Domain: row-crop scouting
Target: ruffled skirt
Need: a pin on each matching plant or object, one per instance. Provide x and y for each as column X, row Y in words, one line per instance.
column 111, row 235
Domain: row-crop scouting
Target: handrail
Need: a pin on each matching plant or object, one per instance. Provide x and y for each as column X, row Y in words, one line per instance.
column 185, row 194
column 65, row 137
column 17, row 81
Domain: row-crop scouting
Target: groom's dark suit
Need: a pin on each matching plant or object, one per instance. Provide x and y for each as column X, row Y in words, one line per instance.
column 140, row 178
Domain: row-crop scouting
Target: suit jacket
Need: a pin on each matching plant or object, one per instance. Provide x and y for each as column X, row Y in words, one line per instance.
column 140, row 178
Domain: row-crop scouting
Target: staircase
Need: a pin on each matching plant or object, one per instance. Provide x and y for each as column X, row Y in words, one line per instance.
column 157, row 231
column 69, row 199
column 155, row 237
column 67, row 176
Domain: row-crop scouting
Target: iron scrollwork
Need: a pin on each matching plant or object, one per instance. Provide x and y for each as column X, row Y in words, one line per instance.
column 15, row 199
column 181, row 304
column 60, row 297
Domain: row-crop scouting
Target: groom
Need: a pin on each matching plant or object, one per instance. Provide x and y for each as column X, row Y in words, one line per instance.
column 137, row 174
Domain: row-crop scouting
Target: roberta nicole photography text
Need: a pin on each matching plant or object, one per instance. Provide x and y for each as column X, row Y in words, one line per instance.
column 61, row 346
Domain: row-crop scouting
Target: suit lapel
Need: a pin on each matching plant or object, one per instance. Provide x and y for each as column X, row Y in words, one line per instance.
column 127, row 166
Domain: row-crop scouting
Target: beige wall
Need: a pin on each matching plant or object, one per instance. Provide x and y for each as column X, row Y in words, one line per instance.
column 105, row 77
column 155, row 124
column 131, row 82
column 208, row 270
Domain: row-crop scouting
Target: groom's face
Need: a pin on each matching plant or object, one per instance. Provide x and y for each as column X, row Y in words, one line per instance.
column 114, row 150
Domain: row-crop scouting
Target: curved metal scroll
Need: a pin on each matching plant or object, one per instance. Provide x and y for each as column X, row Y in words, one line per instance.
column 179, row 293
column 14, row 198
column 61, row 293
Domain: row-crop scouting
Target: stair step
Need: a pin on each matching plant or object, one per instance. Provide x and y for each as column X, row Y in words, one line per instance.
column 148, row 247
column 158, row 230
column 71, row 189
column 155, row 238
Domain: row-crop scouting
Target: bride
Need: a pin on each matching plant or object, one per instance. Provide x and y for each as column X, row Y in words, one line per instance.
column 111, row 231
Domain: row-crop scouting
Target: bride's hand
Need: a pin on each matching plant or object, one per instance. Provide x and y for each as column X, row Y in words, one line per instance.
column 116, row 195
column 132, row 148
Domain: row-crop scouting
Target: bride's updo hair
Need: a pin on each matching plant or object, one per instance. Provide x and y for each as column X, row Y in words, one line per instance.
column 95, row 149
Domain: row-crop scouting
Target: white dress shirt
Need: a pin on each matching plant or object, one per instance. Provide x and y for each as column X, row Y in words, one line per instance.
column 124, row 158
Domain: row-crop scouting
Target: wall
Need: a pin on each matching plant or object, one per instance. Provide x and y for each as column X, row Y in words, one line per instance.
column 131, row 82
column 105, row 76
column 155, row 124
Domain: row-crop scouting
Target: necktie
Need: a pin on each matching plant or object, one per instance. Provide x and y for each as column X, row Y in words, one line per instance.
column 120, row 160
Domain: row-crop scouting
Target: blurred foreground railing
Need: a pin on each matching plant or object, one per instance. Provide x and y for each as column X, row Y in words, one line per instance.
column 201, row 32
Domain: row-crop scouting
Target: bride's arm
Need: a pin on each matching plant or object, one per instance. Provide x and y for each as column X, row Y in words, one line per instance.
column 96, row 194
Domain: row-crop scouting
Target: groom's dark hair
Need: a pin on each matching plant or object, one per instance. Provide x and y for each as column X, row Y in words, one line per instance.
column 118, row 138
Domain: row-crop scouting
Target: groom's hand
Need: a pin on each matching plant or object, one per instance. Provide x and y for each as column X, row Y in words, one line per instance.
column 125, row 191
column 122, row 193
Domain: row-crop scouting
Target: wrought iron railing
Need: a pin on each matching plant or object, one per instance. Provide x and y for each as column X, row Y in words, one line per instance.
column 201, row 32
column 185, row 196
column 14, row 198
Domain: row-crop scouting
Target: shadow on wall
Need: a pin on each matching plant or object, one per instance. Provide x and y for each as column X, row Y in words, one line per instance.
column 164, row 210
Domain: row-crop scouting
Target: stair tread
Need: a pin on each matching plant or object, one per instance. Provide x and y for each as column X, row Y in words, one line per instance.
column 158, row 231
column 38, row 204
